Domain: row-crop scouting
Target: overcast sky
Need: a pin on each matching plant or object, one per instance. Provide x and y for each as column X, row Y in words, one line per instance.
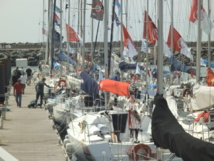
column 20, row 21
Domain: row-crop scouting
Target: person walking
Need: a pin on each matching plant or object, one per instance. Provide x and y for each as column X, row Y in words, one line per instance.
column 17, row 91
column 29, row 75
column 23, row 81
column 40, row 91
column 15, row 78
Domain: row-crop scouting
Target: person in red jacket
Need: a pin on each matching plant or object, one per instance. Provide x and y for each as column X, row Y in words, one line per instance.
column 17, row 91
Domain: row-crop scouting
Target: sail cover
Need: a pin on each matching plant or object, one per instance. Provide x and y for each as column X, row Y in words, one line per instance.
column 116, row 87
column 176, row 65
column 89, row 85
column 63, row 57
column 168, row 133
column 124, row 66
column 203, row 97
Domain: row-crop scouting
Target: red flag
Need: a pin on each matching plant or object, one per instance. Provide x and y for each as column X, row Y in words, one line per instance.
column 73, row 35
column 178, row 43
column 152, row 29
column 206, row 24
column 127, row 40
column 176, row 38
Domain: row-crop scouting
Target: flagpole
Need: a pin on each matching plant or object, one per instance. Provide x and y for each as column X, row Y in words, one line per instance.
column 60, row 43
column 198, row 60
column 43, row 20
column 106, row 45
column 83, row 46
column 147, row 44
column 160, row 48
column 209, row 37
column 121, row 27
column 111, row 40
column 68, row 34
column 47, row 40
column 92, row 35
column 52, row 38
column 172, row 36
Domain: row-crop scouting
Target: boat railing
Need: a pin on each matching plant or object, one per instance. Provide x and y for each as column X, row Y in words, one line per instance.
column 85, row 128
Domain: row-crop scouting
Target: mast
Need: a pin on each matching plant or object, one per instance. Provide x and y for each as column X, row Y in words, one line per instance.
column 209, row 37
column 160, row 48
column 106, row 45
column 52, row 38
column 121, row 27
column 111, row 40
column 68, row 34
column 47, row 40
column 172, row 26
column 43, row 19
column 106, row 38
column 60, row 41
column 83, row 47
column 147, row 43
column 198, row 57
column 92, row 35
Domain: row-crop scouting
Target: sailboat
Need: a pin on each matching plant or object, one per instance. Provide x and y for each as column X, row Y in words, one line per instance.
column 168, row 133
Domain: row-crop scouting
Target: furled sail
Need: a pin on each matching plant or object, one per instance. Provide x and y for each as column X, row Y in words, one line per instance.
column 116, row 87
column 176, row 65
column 89, row 85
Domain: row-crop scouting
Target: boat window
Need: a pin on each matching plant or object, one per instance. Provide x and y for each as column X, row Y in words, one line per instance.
column 119, row 122
column 212, row 117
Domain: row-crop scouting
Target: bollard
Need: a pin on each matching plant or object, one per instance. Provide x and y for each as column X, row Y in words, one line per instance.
column 160, row 154
column 3, row 112
column 1, row 122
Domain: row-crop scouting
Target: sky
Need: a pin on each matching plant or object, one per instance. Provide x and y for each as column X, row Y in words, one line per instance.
column 21, row 21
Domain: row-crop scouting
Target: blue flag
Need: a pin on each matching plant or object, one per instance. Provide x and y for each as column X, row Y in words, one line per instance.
column 116, row 19
column 57, row 9
column 118, row 6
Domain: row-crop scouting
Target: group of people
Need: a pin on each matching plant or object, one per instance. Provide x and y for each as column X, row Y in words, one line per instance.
column 19, row 81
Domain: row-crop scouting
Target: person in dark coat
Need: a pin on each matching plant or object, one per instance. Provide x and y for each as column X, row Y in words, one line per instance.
column 15, row 78
column 29, row 75
column 40, row 91
column 116, row 76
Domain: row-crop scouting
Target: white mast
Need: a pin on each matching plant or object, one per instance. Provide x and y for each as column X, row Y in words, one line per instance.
column 160, row 48
column 209, row 37
column 147, row 43
column 60, row 47
column 198, row 57
column 121, row 27
column 106, row 4
column 68, row 34
column 84, row 21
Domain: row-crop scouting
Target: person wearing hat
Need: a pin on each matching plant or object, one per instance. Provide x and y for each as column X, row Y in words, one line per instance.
column 29, row 75
column 116, row 76
column 40, row 91
column 17, row 91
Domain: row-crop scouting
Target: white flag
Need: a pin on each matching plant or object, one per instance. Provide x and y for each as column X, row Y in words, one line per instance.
column 138, row 71
column 167, row 50
column 144, row 47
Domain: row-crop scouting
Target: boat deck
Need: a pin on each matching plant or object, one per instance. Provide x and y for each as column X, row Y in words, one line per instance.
column 27, row 133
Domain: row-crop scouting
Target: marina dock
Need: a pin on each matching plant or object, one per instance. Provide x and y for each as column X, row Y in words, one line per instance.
column 27, row 133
